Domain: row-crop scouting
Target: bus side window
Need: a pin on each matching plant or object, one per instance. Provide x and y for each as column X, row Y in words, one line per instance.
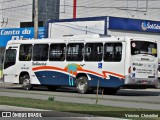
column 75, row 52
column 25, row 53
column 57, row 52
column 40, row 52
column 10, row 58
column 112, row 52
column 93, row 51
column 87, row 53
column 118, row 52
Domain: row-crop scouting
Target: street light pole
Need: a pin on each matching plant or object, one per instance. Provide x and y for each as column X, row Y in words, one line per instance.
column 35, row 19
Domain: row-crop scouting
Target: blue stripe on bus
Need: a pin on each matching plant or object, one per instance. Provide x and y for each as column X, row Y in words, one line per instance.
column 112, row 82
column 62, row 79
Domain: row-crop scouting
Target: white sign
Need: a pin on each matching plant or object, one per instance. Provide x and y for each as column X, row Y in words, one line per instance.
column 58, row 29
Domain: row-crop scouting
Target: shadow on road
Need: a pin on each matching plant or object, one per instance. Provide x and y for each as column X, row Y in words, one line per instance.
column 122, row 92
column 44, row 88
column 139, row 92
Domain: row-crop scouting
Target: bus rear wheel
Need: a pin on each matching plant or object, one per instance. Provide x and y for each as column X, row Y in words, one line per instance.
column 158, row 84
column 26, row 82
column 82, row 85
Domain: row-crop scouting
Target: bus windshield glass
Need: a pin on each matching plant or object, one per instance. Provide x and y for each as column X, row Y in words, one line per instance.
column 143, row 47
column 10, row 58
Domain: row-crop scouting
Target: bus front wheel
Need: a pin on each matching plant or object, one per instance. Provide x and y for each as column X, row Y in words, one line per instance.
column 26, row 82
column 82, row 85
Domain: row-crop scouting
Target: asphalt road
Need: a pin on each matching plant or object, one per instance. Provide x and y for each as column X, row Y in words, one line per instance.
column 137, row 98
column 16, row 113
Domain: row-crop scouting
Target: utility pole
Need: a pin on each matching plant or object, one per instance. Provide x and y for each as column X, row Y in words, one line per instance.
column 74, row 9
column 35, row 19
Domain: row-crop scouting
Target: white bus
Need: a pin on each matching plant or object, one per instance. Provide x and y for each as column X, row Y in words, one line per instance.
column 158, row 48
column 82, row 62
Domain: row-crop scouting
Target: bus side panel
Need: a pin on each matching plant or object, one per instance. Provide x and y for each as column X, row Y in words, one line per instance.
column 113, row 82
column 54, row 73
column 113, row 73
column 52, row 78
column 49, row 77
column 9, row 76
column 109, row 74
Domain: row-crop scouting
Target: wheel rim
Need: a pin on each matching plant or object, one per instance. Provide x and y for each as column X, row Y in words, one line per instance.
column 26, row 83
column 82, row 85
column 158, row 84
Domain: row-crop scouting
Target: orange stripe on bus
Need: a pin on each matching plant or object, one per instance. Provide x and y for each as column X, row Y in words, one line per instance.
column 82, row 70
column 111, row 73
column 48, row 67
column 92, row 72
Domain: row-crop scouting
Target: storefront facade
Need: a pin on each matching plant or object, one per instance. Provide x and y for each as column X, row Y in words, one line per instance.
column 114, row 26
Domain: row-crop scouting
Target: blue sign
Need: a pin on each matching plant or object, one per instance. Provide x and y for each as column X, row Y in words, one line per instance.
column 18, row 34
column 134, row 25
column 100, row 65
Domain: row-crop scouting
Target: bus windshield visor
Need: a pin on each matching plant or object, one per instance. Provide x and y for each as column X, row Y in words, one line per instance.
column 143, row 47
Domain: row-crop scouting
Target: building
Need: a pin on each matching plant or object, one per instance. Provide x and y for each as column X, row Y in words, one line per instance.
column 106, row 25
column 121, row 17
column 136, row 9
column 17, row 14
column 14, row 12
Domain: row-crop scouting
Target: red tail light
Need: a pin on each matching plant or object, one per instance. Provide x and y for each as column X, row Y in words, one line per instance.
column 129, row 70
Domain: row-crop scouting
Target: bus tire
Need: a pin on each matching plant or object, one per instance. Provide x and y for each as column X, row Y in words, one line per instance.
column 158, row 84
column 26, row 82
column 82, row 85
column 110, row 91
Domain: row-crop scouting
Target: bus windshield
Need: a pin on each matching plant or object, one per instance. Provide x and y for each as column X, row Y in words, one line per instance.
column 143, row 47
column 10, row 58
